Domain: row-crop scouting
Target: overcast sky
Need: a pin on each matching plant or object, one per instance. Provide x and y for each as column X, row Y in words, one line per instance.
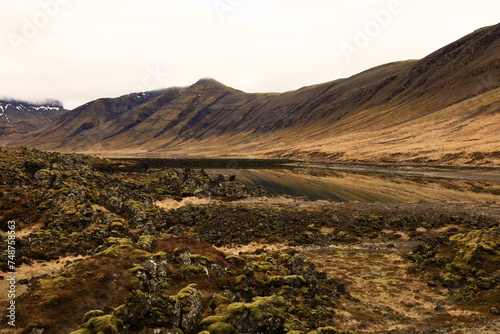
column 80, row 50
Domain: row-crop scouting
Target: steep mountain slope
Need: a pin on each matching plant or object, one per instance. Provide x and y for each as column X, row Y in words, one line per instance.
column 74, row 129
column 443, row 108
column 18, row 117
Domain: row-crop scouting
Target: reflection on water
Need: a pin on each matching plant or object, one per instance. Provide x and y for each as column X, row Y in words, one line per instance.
column 321, row 184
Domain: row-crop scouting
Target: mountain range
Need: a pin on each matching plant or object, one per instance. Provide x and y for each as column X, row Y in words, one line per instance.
column 441, row 109
column 19, row 117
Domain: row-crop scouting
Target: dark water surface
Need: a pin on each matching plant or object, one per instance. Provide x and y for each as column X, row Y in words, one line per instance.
column 323, row 184
column 343, row 182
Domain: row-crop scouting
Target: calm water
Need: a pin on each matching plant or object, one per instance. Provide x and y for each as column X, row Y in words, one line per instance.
column 322, row 184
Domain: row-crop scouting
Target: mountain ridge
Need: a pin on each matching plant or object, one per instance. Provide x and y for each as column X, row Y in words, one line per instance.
column 20, row 117
column 412, row 111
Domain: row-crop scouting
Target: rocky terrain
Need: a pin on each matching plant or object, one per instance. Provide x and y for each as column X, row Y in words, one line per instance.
column 99, row 251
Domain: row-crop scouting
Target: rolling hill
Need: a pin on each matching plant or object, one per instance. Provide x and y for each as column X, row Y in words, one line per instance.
column 441, row 109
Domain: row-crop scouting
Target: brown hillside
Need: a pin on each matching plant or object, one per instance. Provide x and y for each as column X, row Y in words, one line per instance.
column 441, row 109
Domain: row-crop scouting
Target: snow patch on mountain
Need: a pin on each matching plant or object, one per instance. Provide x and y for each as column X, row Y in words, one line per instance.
column 13, row 107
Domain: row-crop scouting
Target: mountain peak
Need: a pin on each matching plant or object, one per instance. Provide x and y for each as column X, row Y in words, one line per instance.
column 208, row 82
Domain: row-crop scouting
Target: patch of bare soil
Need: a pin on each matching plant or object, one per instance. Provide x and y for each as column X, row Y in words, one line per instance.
column 170, row 203
column 28, row 230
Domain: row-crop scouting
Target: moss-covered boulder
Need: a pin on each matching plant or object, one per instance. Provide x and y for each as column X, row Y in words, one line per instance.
column 465, row 263
column 105, row 324
column 191, row 307
column 263, row 315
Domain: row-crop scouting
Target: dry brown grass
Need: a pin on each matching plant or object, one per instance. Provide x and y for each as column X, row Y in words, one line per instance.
column 36, row 269
column 252, row 247
column 390, row 297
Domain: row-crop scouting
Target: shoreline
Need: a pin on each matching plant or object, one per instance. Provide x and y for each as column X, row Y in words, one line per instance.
column 455, row 172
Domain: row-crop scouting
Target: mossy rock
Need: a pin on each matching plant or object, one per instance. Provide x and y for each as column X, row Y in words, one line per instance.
column 136, row 269
column 261, row 266
column 219, row 302
column 83, row 331
column 114, row 247
column 92, row 314
column 185, row 294
column 195, row 270
column 145, row 242
column 190, row 303
column 120, row 311
column 465, row 263
column 118, row 226
column 284, row 257
column 295, row 281
column 200, row 259
column 263, row 314
column 222, row 328
column 213, row 319
column 486, row 283
column 235, row 260
column 107, row 324
column 343, row 236
column 159, row 256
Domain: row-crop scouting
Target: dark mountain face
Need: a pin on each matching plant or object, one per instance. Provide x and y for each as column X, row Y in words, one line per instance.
column 381, row 105
column 20, row 109
column 19, row 117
